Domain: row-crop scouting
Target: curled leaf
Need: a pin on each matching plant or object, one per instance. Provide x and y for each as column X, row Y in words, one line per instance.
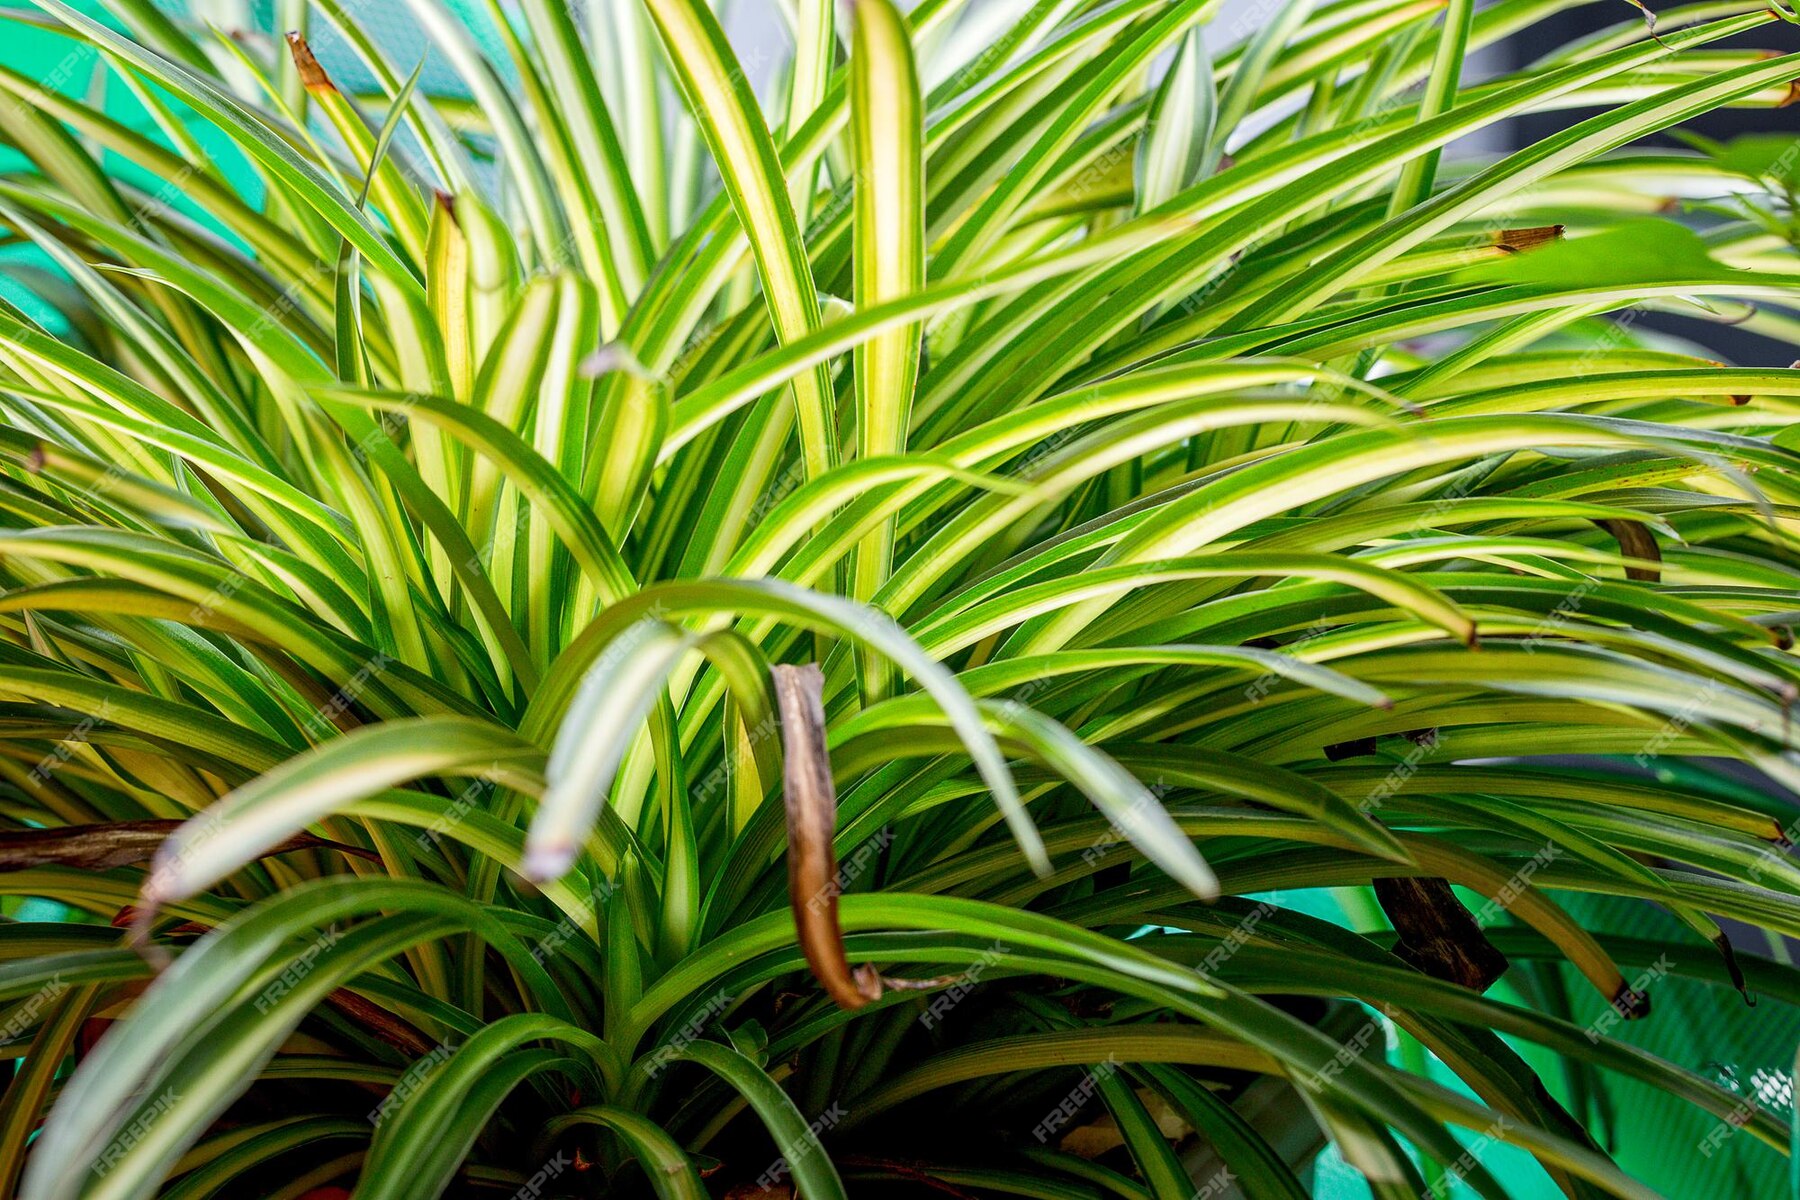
column 1649, row 19
column 811, row 801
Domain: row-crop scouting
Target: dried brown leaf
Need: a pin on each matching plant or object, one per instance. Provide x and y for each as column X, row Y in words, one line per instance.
column 1437, row 934
column 312, row 76
column 811, row 801
column 1636, row 540
column 118, row 844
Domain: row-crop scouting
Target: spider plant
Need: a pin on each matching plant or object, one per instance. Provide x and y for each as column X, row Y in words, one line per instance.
column 653, row 621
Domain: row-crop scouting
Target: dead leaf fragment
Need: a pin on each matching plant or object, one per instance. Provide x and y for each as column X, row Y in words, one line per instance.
column 116, row 844
column 1520, row 240
column 1636, row 541
column 811, row 800
column 312, row 76
column 1437, row 934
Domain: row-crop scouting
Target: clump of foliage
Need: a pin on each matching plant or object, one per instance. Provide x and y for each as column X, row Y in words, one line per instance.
column 595, row 633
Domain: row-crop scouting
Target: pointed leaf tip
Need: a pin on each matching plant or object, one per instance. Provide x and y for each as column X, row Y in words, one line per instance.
column 312, row 75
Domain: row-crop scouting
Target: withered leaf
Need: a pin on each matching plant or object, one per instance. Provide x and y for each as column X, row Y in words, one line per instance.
column 399, row 1034
column 1636, row 541
column 312, row 76
column 1437, row 934
column 1518, row 241
column 115, row 844
column 811, row 801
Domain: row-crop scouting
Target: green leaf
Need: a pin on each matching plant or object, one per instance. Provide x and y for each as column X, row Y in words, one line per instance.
column 802, row 1158
column 1173, row 151
column 718, row 94
column 886, row 134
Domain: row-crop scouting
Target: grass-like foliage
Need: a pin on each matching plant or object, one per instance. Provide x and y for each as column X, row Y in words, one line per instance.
column 593, row 632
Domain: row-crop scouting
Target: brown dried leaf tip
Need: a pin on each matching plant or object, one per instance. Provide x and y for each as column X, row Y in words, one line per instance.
column 312, row 76
column 1517, row 241
column 811, row 801
column 1632, row 1004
